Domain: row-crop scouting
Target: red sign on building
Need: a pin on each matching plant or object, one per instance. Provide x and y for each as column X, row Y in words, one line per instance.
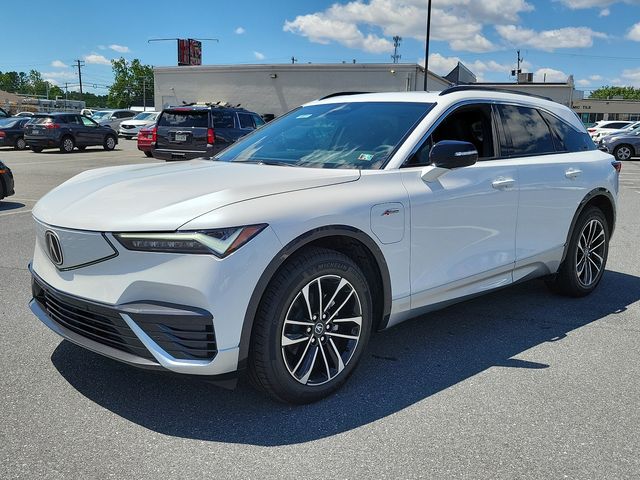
column 189, row 52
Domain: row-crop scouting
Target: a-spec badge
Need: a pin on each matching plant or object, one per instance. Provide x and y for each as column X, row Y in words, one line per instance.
column 54, row 248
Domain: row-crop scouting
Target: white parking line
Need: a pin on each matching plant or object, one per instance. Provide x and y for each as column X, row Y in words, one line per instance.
column 14, row 213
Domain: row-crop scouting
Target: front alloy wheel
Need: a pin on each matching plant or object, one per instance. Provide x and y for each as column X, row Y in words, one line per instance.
column 311, row 328
column 319, row 336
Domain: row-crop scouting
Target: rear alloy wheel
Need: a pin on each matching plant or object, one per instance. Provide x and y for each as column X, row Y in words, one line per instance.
column 109, row 142
column 622, row 152
column 20, row 144
column 67, row 145
column 311, row 328
column 586, row 257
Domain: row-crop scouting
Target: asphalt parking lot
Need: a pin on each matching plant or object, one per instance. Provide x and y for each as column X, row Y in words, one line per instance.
column 516, row 384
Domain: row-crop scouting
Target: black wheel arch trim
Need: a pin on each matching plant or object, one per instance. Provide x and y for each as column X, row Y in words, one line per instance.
column 597, row 192
column 290, row 249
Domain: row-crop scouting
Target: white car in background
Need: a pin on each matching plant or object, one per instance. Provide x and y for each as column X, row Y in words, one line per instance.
column 130, row 128
column 112, row 118
column 605, row 127
column 287, row 250
column 606, row 131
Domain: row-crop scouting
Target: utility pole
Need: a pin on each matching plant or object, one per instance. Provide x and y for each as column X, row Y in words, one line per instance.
column 80, row 64
column 426, row 47
column 514, row 73
column 396, row 44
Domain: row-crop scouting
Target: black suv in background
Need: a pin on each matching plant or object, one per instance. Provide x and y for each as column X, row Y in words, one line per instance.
column 183, row 133
column 67, row 131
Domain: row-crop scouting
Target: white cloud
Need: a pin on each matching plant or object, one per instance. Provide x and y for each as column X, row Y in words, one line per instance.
column 59, row 64
column 550, row 75
column 579, row 4
column 605, row 12
column 583, row 82
column 549, row 40
column 634, row 33
column 119, row 48
column 596, row 78
column 96, row 59
column 367, row 25
column 239, row 31
column 58, row 78
column 258, row 55
column 631, row 76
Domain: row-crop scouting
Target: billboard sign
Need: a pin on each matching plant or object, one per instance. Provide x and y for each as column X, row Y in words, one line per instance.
column 189, row 52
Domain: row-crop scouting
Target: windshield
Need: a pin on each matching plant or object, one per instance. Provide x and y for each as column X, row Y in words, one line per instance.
column 358, row 135
column 145, row 116
column 99, row 115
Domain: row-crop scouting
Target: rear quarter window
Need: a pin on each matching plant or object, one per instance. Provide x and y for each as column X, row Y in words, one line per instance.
column 184, row 119
column 567, row 138
column 222, row 119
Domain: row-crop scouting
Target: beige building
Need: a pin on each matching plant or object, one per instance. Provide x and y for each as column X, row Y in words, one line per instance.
column 591, row 110
column 276, row 89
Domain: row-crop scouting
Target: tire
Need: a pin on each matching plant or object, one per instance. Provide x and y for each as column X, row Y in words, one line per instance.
column 36, row 149
column 148, row 154
column 317, row 359
column 581, row 271
column 67, row 144
column 623, row 152
column 109, row 142
column 20, row 144
column 82, row 148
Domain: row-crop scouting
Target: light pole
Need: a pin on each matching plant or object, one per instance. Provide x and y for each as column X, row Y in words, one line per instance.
column 426, row 46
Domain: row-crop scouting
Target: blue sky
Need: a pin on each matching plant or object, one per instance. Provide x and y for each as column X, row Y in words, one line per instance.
column 556, row 37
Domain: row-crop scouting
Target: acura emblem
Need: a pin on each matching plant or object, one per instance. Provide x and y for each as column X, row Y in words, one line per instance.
column 54, row 249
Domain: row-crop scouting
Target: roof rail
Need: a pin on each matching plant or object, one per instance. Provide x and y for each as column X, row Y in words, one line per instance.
column 466, row 88
column 340, row 94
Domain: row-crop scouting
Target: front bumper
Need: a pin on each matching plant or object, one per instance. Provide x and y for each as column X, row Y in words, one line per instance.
column 113, row 283
column 152, row 335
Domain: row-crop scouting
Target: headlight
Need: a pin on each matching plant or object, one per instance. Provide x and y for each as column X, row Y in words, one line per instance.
column 221, row 242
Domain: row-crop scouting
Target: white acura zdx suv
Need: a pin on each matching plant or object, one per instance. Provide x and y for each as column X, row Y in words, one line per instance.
column 283, row 253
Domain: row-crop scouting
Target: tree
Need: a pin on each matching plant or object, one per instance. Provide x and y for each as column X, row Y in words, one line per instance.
column 129, row 81
column 607, row 92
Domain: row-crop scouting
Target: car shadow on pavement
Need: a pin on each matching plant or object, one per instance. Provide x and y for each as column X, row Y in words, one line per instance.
column 6, row 206
column 402, row 366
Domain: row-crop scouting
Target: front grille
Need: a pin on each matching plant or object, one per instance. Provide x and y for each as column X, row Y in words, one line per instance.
column 128, row 126
column 96, row 323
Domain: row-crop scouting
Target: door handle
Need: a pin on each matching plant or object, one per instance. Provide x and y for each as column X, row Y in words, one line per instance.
column 503, row 183
column 572, row 173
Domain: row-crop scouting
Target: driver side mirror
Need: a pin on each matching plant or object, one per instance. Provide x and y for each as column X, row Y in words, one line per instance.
column 448, row 154
column 453, row 154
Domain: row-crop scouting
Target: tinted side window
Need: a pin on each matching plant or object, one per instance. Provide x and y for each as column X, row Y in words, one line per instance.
column 222, row 119
column 617, row 125
column 470, row 123
column 245, row 120
column 528, row 131
column 567, row 138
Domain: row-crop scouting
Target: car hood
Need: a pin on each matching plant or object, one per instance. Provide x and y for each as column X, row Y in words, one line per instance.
column 165, row 196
